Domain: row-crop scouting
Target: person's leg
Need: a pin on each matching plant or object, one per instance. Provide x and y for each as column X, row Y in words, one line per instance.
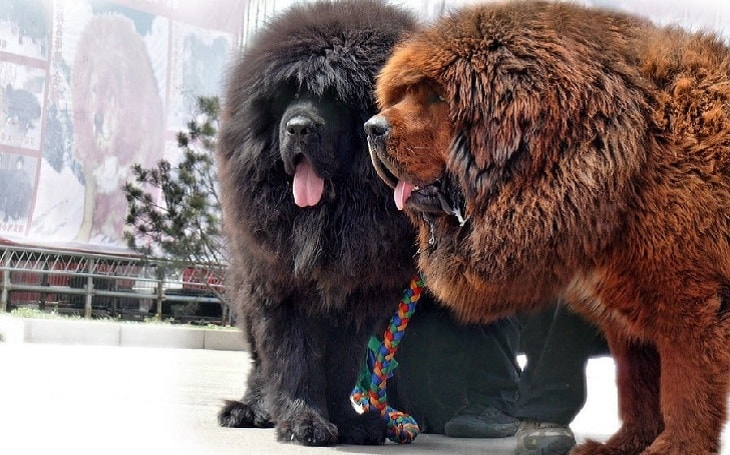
column 446, row 368
column 552, row 388
column 492, row 369
column 492, row 373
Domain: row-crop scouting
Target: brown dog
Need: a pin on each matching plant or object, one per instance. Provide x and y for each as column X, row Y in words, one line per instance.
column 549, row 150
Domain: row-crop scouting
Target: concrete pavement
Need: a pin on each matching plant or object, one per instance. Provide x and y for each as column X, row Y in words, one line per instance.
column 75, row 399
column 81, row 399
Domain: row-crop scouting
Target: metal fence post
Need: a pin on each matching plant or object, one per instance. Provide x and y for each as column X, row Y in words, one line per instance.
column 44, row 282
column 160, row 275
column 89, row 289
column 4, row 294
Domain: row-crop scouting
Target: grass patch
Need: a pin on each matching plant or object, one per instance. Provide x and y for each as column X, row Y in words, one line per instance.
column 35, row 313
column 38, row 314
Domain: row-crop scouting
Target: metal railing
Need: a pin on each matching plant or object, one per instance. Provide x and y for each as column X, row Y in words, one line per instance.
column 90, row 283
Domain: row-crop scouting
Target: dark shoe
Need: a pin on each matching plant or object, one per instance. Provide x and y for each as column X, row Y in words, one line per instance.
column 479, row 421
column 543, row 438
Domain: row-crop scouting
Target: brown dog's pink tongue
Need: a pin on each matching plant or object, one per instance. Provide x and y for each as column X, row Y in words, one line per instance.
column 402, row 193
column 308, row 186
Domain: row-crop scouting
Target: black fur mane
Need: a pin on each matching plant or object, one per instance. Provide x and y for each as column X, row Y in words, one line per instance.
column 328, row 50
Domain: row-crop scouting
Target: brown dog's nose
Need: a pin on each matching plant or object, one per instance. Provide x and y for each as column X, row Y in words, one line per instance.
column 377, row 126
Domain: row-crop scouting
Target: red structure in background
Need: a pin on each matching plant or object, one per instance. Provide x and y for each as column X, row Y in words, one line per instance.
column 201, row 279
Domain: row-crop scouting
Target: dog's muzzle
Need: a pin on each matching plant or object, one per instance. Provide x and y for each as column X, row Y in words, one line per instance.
column 377, row 130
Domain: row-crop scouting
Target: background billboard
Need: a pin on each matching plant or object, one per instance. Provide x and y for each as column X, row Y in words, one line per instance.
column 88, row 89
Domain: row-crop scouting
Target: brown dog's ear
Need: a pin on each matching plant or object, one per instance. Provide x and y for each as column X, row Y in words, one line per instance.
column 461, row 163
column 501, row 140
column 492, row 139
column 468, row 172
column 479, row 176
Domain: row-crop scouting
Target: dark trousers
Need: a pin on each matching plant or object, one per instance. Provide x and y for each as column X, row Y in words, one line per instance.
column 557, row 344
column 444, row 365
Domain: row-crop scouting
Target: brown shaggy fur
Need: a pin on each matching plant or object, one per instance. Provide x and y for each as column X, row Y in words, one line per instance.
column 589, row 153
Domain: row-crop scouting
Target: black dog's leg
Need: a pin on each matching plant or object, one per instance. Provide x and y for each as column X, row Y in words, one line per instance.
column 291, row 348
column 344, row 359
column 252, row 410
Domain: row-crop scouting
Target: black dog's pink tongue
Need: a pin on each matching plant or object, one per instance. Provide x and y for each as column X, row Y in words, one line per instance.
column 308, row 186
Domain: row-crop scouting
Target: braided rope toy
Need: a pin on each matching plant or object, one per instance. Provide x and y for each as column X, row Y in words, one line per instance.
column 371, row 391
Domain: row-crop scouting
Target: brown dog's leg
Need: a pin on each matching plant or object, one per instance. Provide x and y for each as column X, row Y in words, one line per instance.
column 637, row 375
column 695, row 370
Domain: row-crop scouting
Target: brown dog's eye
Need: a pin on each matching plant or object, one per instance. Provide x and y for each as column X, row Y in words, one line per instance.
column 435, row 97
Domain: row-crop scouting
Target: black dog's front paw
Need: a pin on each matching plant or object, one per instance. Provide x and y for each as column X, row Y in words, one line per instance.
column 236, row 414
column 307, row 427
column 368, row 428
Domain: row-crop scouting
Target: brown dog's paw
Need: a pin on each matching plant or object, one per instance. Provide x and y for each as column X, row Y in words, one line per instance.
column 591, row 448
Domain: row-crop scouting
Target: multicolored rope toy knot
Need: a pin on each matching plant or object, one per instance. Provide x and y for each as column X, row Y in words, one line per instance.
column 371, row 388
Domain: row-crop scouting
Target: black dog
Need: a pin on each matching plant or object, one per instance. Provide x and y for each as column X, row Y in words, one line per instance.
column 320, row 255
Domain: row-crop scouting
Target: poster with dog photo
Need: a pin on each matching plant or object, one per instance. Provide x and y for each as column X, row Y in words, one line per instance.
column 111, row 73
column 17, row 185
column 118, row 89
column 22, row 91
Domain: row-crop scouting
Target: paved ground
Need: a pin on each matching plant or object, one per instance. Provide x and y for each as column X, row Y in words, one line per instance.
column 117, row 400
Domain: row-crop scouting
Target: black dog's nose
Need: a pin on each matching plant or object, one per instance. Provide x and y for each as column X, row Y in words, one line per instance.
column 377, row 126
column 300, row 126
